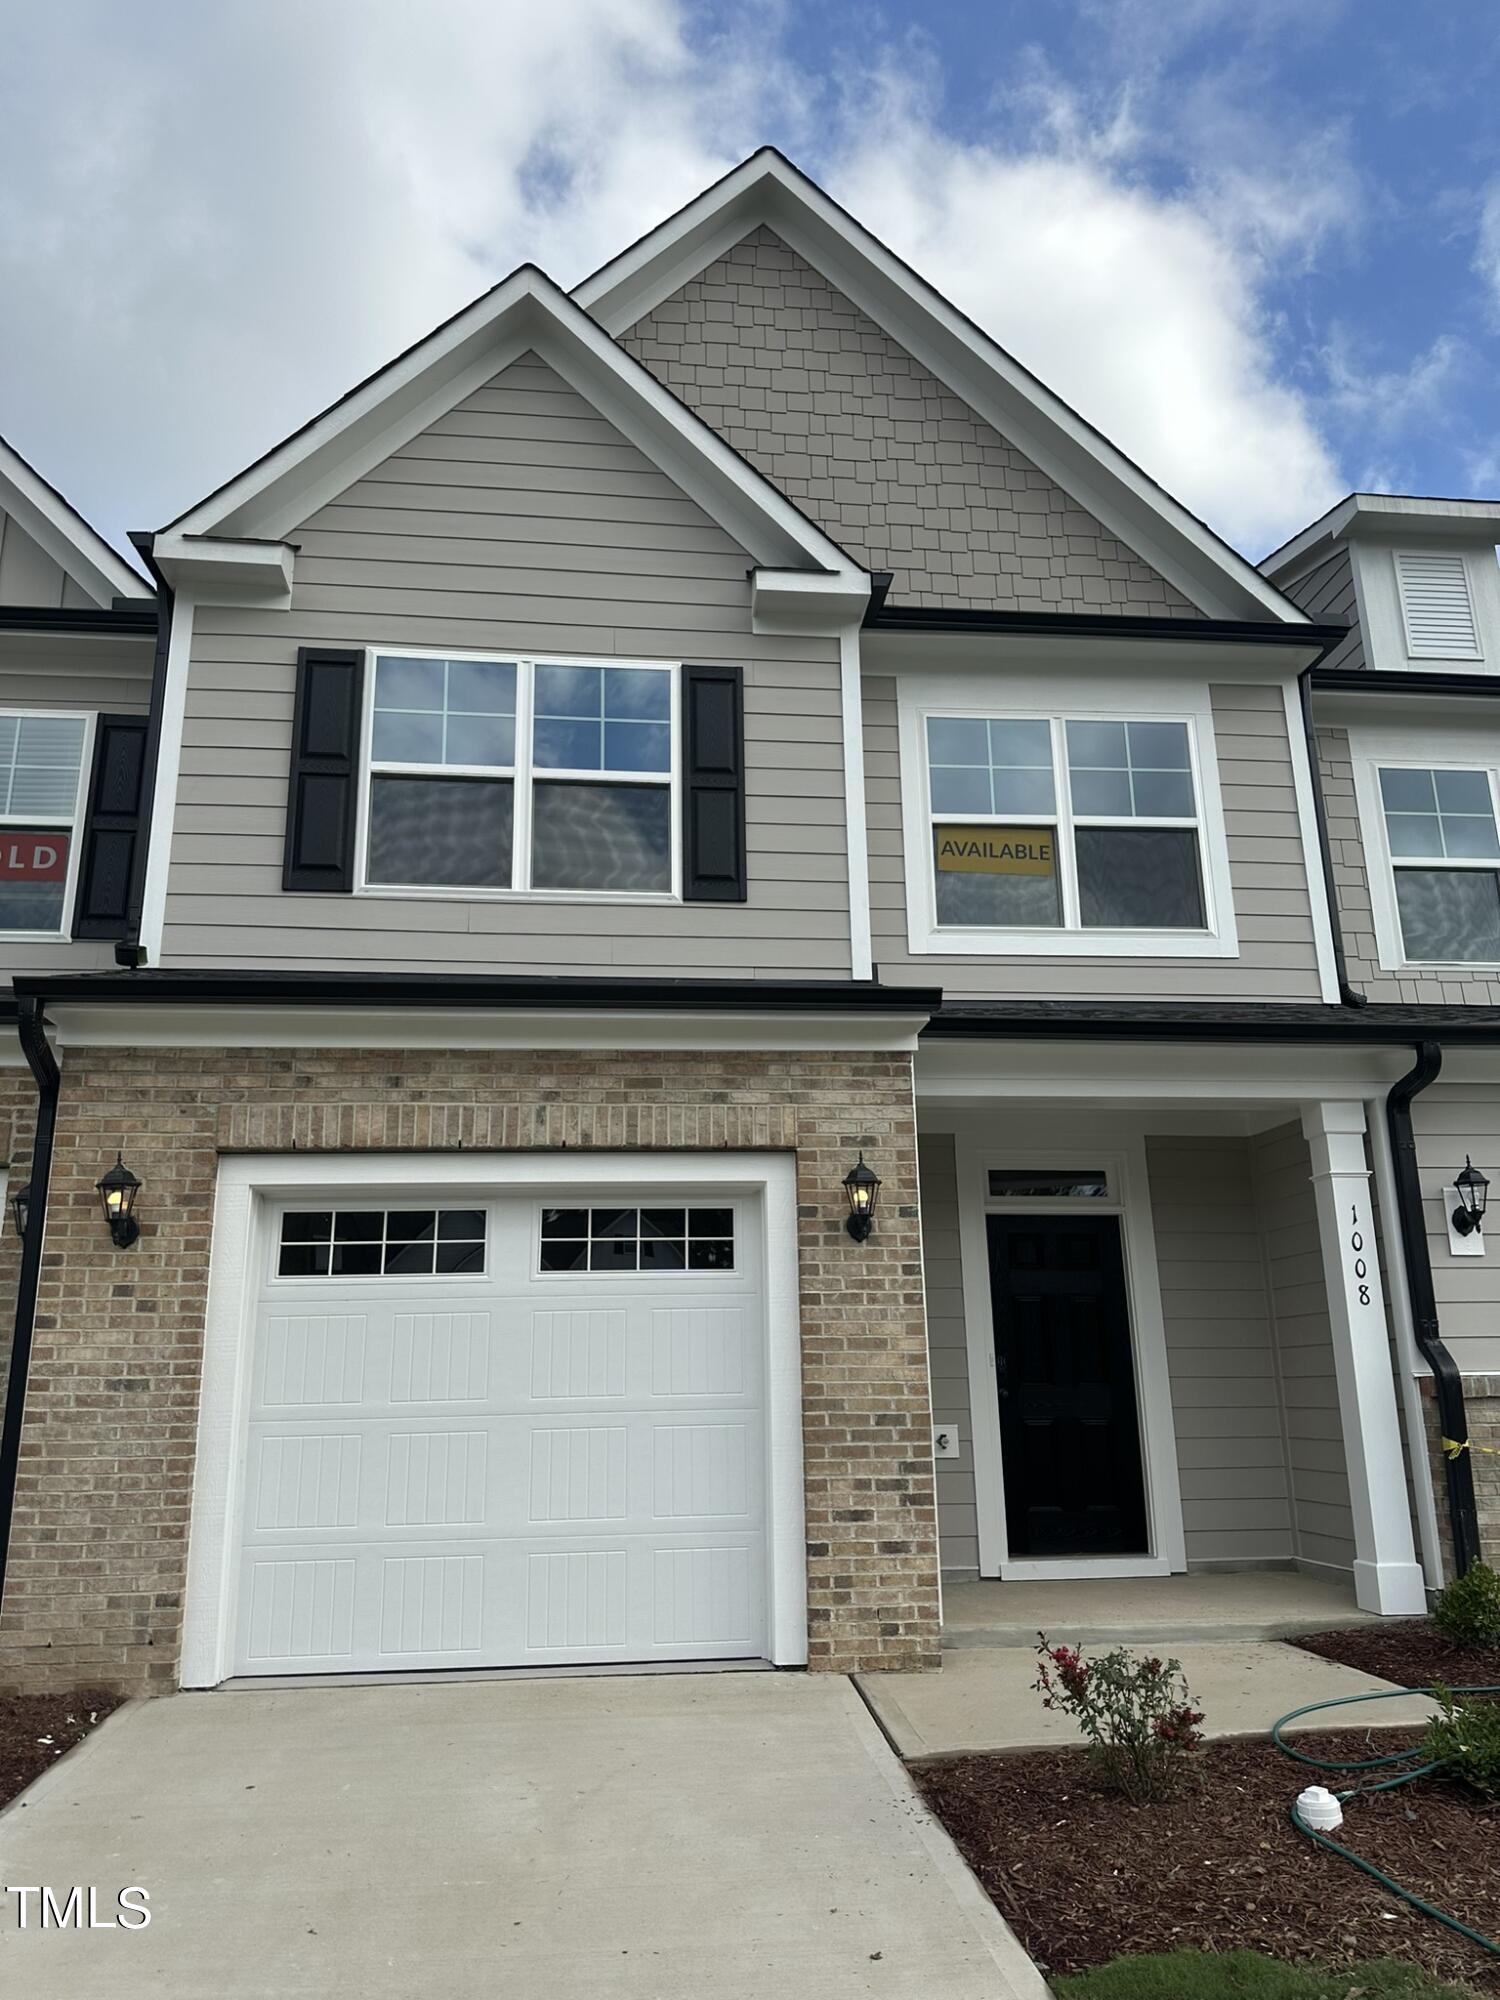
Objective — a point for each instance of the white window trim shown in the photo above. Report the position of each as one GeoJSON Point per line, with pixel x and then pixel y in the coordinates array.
{"type": "Point", "coordinates": [1372, 751]}
{"type": "Point", "coordinates": [521, 775]}
{"type": "Point", "coordinates": [72, 825]}
{"type": "Point", "coordinates": [1030, 698]}
{"type": "Point", "coordinates": [1413, 650]}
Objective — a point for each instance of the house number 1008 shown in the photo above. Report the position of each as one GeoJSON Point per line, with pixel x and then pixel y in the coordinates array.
{"type": "Point", "coordinates": [1361, 1268]}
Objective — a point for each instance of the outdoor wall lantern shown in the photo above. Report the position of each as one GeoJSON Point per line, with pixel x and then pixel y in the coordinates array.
{"type": "Point", "coordinates": [1471, 1188]}
{"type": "Point", "coordinates": [117, 1191]}
{"type": "Point", "coordinates": [20, 1206]}
{"type": "Point", "coordinates": [862, 1188]}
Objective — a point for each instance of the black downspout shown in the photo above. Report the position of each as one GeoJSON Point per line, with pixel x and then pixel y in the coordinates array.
{"type": "Point", "coordinates": [1453, 1420]}
{"type": "Point", "coordinates": [38, 1052]}
{"type": "Point", "coordinates": [1350, 996]}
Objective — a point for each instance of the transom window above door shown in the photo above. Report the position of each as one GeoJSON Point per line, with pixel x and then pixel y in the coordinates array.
{"type": "Point", "coordinates": [1440, 828]}
{"type": "Point", "coordinates": [1094, 828]}
{"type": "Point", "coordinates": [521, 775]}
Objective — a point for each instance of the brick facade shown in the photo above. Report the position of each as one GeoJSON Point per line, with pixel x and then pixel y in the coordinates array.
{"type": "Point", "coordinates": [888, 461]}
{"type": "Point", "coordinates": [17, 1127]}
{"type": "Point", "coordinates": [1482, 1406]}
{"type": "Point", "coordinates": [97, 1565]}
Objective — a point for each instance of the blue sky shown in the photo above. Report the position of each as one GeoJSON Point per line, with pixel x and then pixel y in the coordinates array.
{"type": "Point", "coordinates": [1257, 243]}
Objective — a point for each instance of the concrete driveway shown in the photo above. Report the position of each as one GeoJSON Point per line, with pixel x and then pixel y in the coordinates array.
{"type": "Point", "coordinates": [739, 1835]}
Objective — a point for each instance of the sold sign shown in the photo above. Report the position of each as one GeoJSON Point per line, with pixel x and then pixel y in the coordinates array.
{"type": "Point", "coordinates": [33, 857]}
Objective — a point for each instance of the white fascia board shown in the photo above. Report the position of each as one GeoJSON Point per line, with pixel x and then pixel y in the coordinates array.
{"type": "Point", "coordinates": [527, 313]}
{"type": "Point", "coordinates": [222, 570]}
{"type": "Point", "coordinates": [800, 600]}
{"type": "Point", "coordinates": [121, 1023]}
{"type": "Point", "coordinates": [1092, 653]}
{"type": "Point", "coordinates": [1134, 1075]}
{"type": "Point", "coordinates": [1405, 516]}
{"type": "Point", "coordinates": [61, 532]}
{"type": "Point", "coordinates": [768, 189]}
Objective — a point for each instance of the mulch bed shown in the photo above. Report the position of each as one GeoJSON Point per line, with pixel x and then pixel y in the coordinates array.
{"type": "Point", "coordinates": [1412, 1652]}
{"type": "Point", "coordinates": [37, 1729]}
{"type": "Point", "coordinates": [1083, 1877]}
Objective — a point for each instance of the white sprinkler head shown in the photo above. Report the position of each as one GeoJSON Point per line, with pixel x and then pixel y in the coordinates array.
{"type": "Point", "coordinates": [1320, 1809]}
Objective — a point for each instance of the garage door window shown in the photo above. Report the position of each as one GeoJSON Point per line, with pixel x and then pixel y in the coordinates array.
{"type": "Point", "coordinates": [637, 1239]}
{"type": "Point", "coordinates": [381, 1242]}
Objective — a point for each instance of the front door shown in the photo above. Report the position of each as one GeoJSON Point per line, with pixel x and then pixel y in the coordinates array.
{"type": "Point", "coordinates": [1069, 1432]}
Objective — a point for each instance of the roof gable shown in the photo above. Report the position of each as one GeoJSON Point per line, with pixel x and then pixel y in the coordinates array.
{"type": "Point", "coordinates": [768, 191]}
{"type": "Point", "coordinates": [46, 547]}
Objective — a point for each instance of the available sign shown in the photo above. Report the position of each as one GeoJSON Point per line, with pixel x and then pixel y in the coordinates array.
{"type": "Point", "coordinates": [995, 850]}
{"type": "Point", "coordinates": [33, 857]}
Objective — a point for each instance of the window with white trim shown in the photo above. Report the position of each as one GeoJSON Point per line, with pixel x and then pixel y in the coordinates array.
{"type": "Point", "coordinates": [42, 774]}
{"type": "Point", "coordinates": [521, 774]}
{"type": "Point", "coordinates": [618, 1239]}
{"type": "Point", "coordinates": [1440, 829]}
{"type": "Point", "coordinates": [1065, 823]}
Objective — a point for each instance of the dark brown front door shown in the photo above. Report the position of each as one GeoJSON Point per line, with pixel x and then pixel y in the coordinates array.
{"type": "Point", "coordinates": [1069, 1433]}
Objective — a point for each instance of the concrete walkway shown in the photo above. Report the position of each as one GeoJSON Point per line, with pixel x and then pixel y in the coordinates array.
{"type": "Point", "coordinates": [982, 1697]}
{"type": "Point", "coordinates": [740, 1835]}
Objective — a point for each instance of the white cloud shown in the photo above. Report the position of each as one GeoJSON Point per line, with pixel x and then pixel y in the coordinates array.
{"type": "Point", "coordinates": [214, 220]}
{"type": "Point", "coordinates": [1487, 247]}
{"type": "Point", "coordinates": [1388, 400]}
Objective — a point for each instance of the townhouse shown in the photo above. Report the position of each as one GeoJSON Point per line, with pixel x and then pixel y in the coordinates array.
{"type": "Point", "coordinates": [745, 973]}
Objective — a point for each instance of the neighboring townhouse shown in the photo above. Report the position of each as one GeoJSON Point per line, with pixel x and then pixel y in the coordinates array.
{"type": "Point", "coordinates": [732, 892]}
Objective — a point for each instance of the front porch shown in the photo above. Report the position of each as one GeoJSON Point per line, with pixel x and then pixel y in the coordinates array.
{"type": "Point", "coordinates": [1168, 1398]}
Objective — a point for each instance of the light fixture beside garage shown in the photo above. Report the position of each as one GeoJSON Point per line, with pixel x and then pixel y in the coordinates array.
{"type": "Point", "coordinates": [862, 1187]}
{"type": "Point", "coordinates": [1471, 1187]}
{"type": "Point", "coordinates": [117, 1190]}
{"type": "Point", "coordinates": [20, 1208]}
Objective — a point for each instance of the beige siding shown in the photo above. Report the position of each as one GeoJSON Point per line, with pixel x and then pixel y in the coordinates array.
{"type": "Point", "coordinates": [893, 465]}
{"type": "Point", "coordinates": [29, 576]}
{"type": "Point", "coordinates": [1323, 1527]}
{"type": "Point", "coordinates": [1226, 1406]}
{"type": "Point", "coordinates": [1450, 1121]}
{"type": "Point", "coordinates": [100, 677]}
{"type": "Point", "coordinates": [1327, 595]}
{"type": "Point", "coordinates": [1268, 870]}
{"type": "Point", "coordinates": [958, 1533]}
{"type": "Point", "coordinates": [520, 521]}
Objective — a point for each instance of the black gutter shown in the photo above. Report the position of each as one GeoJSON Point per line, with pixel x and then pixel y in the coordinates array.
{"type": "Point", "coordinates": [482, 990]}
{"type": "Point", "coordinates": [888, 617]}
{"type": "Point", "coordinates": [1369, 680]}
{"type": "Point", "coordinates": [127, 949]}
{"type": "Point", "coordinates": [43, 1063]}
{"type": "Point", "coordinates": [1453, 1422]}
{"type": "Point", "coordinates": [105, 624]}
{"type": "Point", "coordinates": [1349, 995]}
{"type": "Point", "coordinates": [1327, 1024]}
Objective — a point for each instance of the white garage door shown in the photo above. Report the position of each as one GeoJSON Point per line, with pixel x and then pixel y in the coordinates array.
{"type": "Point", "coordinates": [505, 1433]}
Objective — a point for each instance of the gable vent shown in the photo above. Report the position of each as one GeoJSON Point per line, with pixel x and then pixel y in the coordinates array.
{"type": "Point", "coordinates": [1437, 607]}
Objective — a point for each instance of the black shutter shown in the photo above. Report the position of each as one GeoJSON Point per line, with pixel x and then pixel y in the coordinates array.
{"type": "Point", "coordinates": [713, 790]}
{"type": "Point", "coordinates": [323, 781]}
{"type": "Point", "coordinates": [111, 827]}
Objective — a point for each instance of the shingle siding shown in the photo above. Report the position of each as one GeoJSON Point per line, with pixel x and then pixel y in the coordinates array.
{"type": "Point", "coordinates": [1327, 594]}
{"type": "Point", "coordinates": [894, 466]}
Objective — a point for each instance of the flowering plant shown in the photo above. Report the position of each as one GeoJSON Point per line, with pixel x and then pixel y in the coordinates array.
{"type": "Point", "coordinates": [1136, 1714]}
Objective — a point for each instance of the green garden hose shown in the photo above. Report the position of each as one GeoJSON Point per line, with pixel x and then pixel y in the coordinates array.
{"type": "Point", "coordinates": [1404, 1777]}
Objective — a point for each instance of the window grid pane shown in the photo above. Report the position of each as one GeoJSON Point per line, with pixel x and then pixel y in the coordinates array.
{"type": "Point", "coordinates": [605, 719]}
{"type": "Point", "coordinates": [440, 711]}
{"type": "Point", "coordinates": [1131, 770]}
{"type": "Point", "coordinates": [1439, 815]}
{"type": "Point", "coordinates": [372, 1243]}
{"type": "Point", "coordinates": [991, 766]}
{"type": "Point", "coordinates": [616, 1240]}
{"type": "Point", "coordinates": [40, 756]}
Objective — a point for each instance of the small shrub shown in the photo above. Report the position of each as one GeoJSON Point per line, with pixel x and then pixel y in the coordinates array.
{"type": "Point", "coordinates": [1467, 1611]}
{"type": "Point", "coordinates": [1136, 1714]}
{"type": "Point", "coordinates": [1464, 1740]}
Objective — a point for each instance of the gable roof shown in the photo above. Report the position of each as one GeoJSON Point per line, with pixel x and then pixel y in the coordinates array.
{"type": "Point", "coordinates": [767, 189]}
{"type": "Point", "coordinates": [1420, 516]}
{"type": "Point", "coordinates": [525, 312]}
{"type": "Point", "coordinates": [60, 531]}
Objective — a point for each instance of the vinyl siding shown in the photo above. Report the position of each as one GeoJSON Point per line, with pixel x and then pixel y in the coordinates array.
{"type": "Point", "coordinates": [1268, 870]}
{"type": "Point", "coordinates": [29, 576]}
{"type": "Point", "coordinates": [958, 1533]}
{"type": "Point", "coordinates": [1221, 1362]}
{"type": "Point", "coordinates": [1323, 1527]}
{"type": "Point", "coordinates": [869, 443]}
{"type": "Point", "coordinates": [1327, 595]}
{"type": "Point", "coordinates": [97, 676]}
{"type": "Point", "coordinates": [521, 521]}
{"type": "Point", "coordinates": [1449, 1121]}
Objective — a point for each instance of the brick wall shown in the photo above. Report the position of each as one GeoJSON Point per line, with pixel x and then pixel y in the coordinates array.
{"type": "Point", "coordinates": [17, 1126]}
{"type": "Point", "coordinates": [1482, 1406]}
{"type": "Point", "coordinates": [894, 466]}
{"type": "Point", "coordinates": [97, 1563]}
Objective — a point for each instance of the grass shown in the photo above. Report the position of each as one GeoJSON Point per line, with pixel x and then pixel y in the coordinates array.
{"type": "Point", "coordinates": [1247, 1975]}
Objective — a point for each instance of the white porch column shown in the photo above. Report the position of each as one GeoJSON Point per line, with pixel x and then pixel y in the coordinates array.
{"type": "Point", "coordinates": [1387, 1576]}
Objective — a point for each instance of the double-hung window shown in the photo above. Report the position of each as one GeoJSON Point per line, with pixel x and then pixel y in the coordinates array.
{"type": "Point", "coordinates": [1440, 829]}
{"type": "Point", "coordinates": [1046, 829]}
{"type": "Point", "coordinates": [42, 771]}
{"type": "Point", "coordinates": [517, 774]}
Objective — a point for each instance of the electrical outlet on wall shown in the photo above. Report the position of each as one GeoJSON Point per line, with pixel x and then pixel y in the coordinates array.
{"type": "Point", "coordinates": [945, 1441]}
